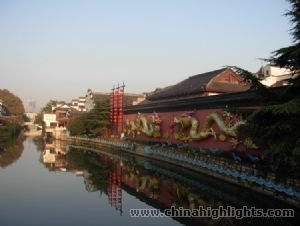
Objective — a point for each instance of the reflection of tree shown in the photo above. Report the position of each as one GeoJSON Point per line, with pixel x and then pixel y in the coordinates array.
{"type": "Point", "coordinates": [98, 173]}
{"type": "Point", "coordinates": [11, 152]}
{"type": "Point", "coordinates": [39, 142]}
{"type": "Point", "coordinates": [170, 192]}
{"type": "Point", "coordinates": [156, 184]}
{"type": "Point", "coordinates": [9, 132]}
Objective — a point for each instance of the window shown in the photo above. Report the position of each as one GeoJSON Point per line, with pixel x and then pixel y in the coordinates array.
{"type": "Point", "coordinates": [267, 72]}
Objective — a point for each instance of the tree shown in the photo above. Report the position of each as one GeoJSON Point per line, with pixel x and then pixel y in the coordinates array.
{"type": "Point", "coordinates": [12, 103]}
{"type": "Point", "coordinates": [26, 118]}
{"type": "Point", "coordinates": [39, 119]}
{"type": "Point", "coordinates": [92, 123]}
{"type": "Point", "coordinates": [10, 130]}
{"type": "Point", "coordinates": [97, 120]}
{"type": "Point", "coordinates": [76, 125]}
{"type": "Point", "coordinates": [290, 56]}
{"type": "Point", "coordinates": [275, 127]}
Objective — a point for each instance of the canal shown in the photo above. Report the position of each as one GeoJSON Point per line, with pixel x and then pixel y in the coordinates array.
{"type": "Point", "coordinates": [56, 184]}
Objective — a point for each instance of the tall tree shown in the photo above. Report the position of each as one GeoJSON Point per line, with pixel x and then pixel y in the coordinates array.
{"type": "Point", "coordinates": [290, 56]}
{"type": "Point", "coordinates": [92, 123]}
{"type": "Point", "coordinates": [12, 103]}
{"type": "Point", "coordinates": [276, 127]}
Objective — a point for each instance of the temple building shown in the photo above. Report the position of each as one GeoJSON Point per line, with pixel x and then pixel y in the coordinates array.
{"type": "Point", "coordinates": [79, 104]}
{"type": "Point", "coordinates": [193, 112]}
{"type": "Point", "coordinates": [226, 80]}
{"type": "Point", "coordinates": [128, 100]}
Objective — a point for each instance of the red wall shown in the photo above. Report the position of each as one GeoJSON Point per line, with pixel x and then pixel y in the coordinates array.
{"type": "Point", "coordinates": [167, 119]}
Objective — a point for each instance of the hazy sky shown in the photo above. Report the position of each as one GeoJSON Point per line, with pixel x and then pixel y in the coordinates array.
{"type": "Point", "coordinates": [57, 49]}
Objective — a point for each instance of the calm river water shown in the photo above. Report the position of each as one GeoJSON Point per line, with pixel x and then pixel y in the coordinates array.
{"type": "Point", "coordinates": [55, 185]}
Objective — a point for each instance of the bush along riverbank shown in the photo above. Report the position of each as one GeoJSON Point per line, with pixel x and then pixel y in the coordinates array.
{"type": "Point", "coordinates": [245, 170]}
{"type": "Point", "coordinates": [9, 132]}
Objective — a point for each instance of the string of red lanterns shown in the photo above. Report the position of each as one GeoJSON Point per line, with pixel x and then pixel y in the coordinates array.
{"type": "Point", "coordinates": [116, 107]}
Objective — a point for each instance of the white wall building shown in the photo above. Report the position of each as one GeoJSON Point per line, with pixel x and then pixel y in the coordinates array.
{"type": "Point", "coordinates": [50, 120]}
{"type": "Point", "coordinates": [79, 104]}
{"type": "Point", "coordinates": [31, 115]}
{"type": "Point", "coordinates": [273, 76]}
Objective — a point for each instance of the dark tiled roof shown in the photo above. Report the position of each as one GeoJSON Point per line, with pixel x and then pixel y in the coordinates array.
{"type": "Point", "coordinates": [193, 85]}
{"type": "Point", "coordinates": [221, 87]}
{"type": "Point", "coordinates": [101, 97]}
{"type": "Point", "coordinates": [129, 98]}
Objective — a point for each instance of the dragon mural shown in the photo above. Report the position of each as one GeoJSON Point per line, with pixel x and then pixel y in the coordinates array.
{"type": "Point", "coordinates": [141, 125]}
{"type": "Point", "coordinates": [188, 121]}
{"type": "Point", "coordinates": [188, 128]}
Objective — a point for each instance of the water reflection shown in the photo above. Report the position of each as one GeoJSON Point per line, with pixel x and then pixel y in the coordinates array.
{"type": "Point", "coordinates": [158, 184]}
{"type": "Point", "coordinates": [54, 155]}
{"type": "Point", "coordinates": [11, 151]}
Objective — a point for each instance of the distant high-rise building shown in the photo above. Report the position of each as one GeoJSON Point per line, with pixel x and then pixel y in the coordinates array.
{"type": "Point", "coordinates": [31, 105]}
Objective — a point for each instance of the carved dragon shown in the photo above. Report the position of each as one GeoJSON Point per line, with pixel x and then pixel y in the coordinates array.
{"type": "Point", "coordinates": [189, 121]}
{"type": "Point", "coordinates": [140, 124]}
{"type": "Point", "coordinates": [130, 128]}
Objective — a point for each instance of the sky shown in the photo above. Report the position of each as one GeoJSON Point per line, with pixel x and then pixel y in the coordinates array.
{"type": "Point", "coordinates": [57, 49]}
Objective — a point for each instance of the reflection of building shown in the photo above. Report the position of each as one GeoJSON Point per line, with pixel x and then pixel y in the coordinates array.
{"type": "Point", "coordinates": [54, 155]}
{"type": "Point", "coordinates": [49, 156]}
{"type": "Point", "coordinates": [104, 174]}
